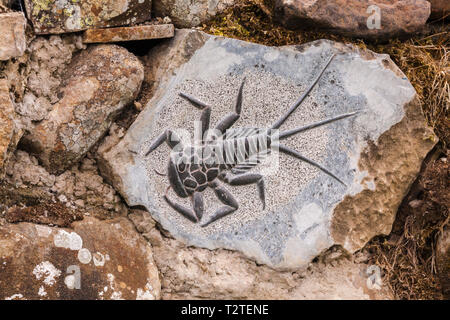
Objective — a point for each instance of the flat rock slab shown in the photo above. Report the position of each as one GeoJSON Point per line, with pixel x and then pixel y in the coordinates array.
{"type": "Point", "coordinates": [377, 153]}
{"type": "Point", "coordinates": [94, 260]}
{"type": "Point", "coordinates": [100, 82]}
{"type": "Point", "coordinates": [12, 36]}
{"type": "Point", "coordinates": [128, 33]}
{"type": "Point", "coordinates": [60, 16]}
{"type": "Point", "coordinates": [380, 19]}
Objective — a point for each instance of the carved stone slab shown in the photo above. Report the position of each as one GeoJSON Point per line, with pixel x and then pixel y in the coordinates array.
{"type": "Point", "coordinates": [376, 153]}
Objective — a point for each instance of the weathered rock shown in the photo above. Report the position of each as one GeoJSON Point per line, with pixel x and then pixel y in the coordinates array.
{"type": "Point", "coordinates": [373, 19]}
{"type": "Point", "coordinates": [186, 13]}
{"type": "Point", "coordinates": [94, 260]}
{"type": "Point", "coordinates": [306, 210]}
{"type": "Point", "coordinates": [154, 31]}
{"type": "Point", "coordinates": [9, 131]}
{"type": "Point", "coordinates": [80, 188]}
{"type": "Point", "coordinates": [60, 16]}
{"type": "Point", "coordinates": [440, 8]}
{"type": "Point", "coordinates": [194, 273]}
{"type": "Point", "coordinates": [12, 36]}
{"type": "Point", "coordinates": [443, 261]}
{"type": "Point", "coordinates": [101, 81]}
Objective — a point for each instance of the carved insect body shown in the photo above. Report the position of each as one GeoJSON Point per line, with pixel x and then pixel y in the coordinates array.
{"type": "Point", "coordinates": [227, 155]}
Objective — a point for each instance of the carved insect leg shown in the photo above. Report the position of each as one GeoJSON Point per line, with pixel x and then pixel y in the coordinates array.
{"type": "Point", "coordinates": [206, 114]}
{"type": "Point", "coordinates": [295, 154]}
{"type": "Point", "coordinates": [168, 136]}
{"type": "Point", "coordinates": [193, 215]}
{"type": "Point", "coordinates": [247, 178]}
{"type": "Point", "coordinates": [232, 117]}
{"type": "Point", "coordinates": [226, 198]}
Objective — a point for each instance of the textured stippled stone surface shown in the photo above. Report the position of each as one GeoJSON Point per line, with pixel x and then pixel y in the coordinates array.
{"type": "Point", "coordinates": [306, 211]}
{"type": "Point", "coordinates": [359, 18]}
{"type": "Point", "coordinates": [12, 36]}
{"type": "Point", "coordinates": [93, 260]}
{"type": "Point", "coordinates": [59, 16]}
{"type": "Point", "coordinates": [100, 82]}
{"type": "Point", "coordinates": [155, 31]}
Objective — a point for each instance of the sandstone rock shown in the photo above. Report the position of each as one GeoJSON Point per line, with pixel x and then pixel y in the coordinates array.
{"type": "Point", "coordinates": [68, 16]}
{"type": "Point", "coordinates": [307, 211]}
{"type": "Point", "coordinates": [9, 131]}
{"type": "Point", "coordinates": [443, 261]}
{"type": "Point", "coordinates": [94, 260]}
{"type": "Point", "coordinates": [147, 32]}
{"type": "Point", "coordinates": [440, 8]}
{"type": "Point", "coordinates": [186, 13]}
{"type": "Point", "coordinates": [193, 273]}
{"type": "Point", "coordinates": [355, 18]}
{"type": "Point", "coordinates": [100, 82]}
{"type": "Point", "coordinates": [12, 38]}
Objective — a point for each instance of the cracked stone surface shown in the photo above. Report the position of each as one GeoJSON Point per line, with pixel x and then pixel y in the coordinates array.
{"type": "Point", "coordinates": [101, 81]}
{"type": "Point", "coordinates": [307, 211]}
{"type": "Point", "coordinates": [92, 260]}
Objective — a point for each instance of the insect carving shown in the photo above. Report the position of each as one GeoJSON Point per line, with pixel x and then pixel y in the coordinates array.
{"type": "Point", "coordinates": [226, 155]}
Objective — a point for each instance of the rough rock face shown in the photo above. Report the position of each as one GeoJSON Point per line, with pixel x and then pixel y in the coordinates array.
{"type": "Point", "coordinates": [307, 211]}
{"type": "Point", "coordinates": [193, 273]}
{"type": "Point", "coordinates": [186, 13]}
{"type": "Point", "coordinates": [439, 8]}
{"type": "Point", "coordinates": [80, 188]}
{"type": "Point", "coordinates": [443, 261]}
{"type": "Point", "coordinates": [355, 18]}
{"type": "Point", "coordinates": [12, 38]}
{"type": "Point", "coordinates": [101, 81]}
{"type": "Point", "coordinates": [9, 132]}
{"type": "Point", "coordinates": [51, 16]}
{"type": "Point", "coordinates": [94, 260]}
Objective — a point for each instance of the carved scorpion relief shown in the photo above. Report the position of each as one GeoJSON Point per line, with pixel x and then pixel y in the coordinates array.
{"type": "Point", "coordinates": [226, 155]}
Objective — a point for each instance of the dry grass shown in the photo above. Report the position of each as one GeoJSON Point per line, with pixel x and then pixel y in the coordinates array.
{"type": "Point", "coordinates": [407, 255]}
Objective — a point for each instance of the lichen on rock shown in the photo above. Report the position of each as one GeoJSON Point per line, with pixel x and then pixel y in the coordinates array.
{"type": "Point", "coordinates": [101, 81]}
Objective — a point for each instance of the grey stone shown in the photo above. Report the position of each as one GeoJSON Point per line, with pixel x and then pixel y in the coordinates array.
{"type": "Point", "coordinates": [12, 36]}
{"type": "Point", "coordinates": [377, 153]}
{"type": "Point", "coordinates": [186, 13]}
